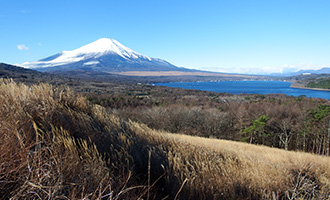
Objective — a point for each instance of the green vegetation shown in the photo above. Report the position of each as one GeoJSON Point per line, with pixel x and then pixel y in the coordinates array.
{"type": "Point", "coordinates": [56, 145]}
{"type": "Point", "coordinates": [323, 83]}
{"type": "Point", "coordinates": [257, 128]}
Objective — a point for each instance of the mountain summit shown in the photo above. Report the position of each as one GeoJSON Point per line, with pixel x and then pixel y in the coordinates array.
{"type": "Point", "coordinates": [103, 55]}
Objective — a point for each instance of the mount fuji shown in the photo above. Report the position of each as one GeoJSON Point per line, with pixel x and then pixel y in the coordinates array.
{"type": "Point", "coordinates": [103, 55]}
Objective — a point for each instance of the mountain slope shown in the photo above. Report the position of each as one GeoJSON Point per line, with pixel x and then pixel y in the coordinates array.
{"type": "Point", "coordinates": [8, 70]}
{"type": "Point", "coordinates": [105, 55]}
{"type": "Point", "coordinates": [20, 74]}
{"type": "Point", "coordinates": [324, 70]}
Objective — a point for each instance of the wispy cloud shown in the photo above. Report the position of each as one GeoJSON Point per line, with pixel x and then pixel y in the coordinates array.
{"type": "Point", "coordinates": [26, 11]}
{"type": "Point", "coordinates": [266, 70]}
{"type": "Point", "coordinates": [22, 47]}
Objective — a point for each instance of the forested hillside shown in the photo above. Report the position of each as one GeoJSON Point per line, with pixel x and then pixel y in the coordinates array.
{"type": "Point", "coordinates": [323, 83]}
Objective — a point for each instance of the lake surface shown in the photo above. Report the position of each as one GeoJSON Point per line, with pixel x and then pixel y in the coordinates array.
{"type": "Point", "coordinates": [250, 87]}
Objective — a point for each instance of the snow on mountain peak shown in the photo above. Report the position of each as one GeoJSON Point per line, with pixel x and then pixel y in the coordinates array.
{"type": "Point", "coordinates": [98, 48]}
{"type": "Point", "coordinates": [103, 45]}
{"type": "Point", "coordinates": [106, 46]}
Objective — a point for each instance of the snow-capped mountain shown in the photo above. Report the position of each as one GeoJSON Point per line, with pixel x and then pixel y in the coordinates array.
{"type": "Point", "coordinates": [105, 55]}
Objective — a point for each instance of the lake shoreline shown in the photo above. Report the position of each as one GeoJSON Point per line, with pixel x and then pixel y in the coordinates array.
{"type": "Point", "coordinates": [289, 88]}
{"type": "Point", "coordinates": [301, 86]}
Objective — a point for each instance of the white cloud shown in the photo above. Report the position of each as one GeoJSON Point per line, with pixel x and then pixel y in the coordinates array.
{"type": "Point", "coordinates": [266, 70]}
{"type": "Point", "coordinates": [22, 47]}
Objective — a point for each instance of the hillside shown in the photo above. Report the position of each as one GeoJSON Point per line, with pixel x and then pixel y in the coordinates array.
{"type": "Point", "coordinates": [56, 145]}
{"type": "Point", "coordinates": [311, 81]}
{"type": "Point", "coordinates": [323, 83]}
{"type": "Point", "coordinates": [21, 74]}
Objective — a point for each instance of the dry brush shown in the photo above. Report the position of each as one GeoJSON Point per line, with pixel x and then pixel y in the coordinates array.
{"type": "Point", "coordinates": [55, 145]}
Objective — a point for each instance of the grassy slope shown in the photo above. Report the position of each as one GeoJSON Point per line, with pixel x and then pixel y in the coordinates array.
{"type": "Point", "coordinates": [55, 145]}
{"type": "Point", "coordinates": [224, 169]}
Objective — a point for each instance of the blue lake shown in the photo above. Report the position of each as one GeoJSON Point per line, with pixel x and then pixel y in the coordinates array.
{"type": "Point", "coordinates": [250, 87]}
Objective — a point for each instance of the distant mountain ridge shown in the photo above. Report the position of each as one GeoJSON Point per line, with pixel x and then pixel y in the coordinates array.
{"type": "Point", "coordinates": [103, 55]}
{"type": "Point", "coordinates": [11, 71]}
{"type": "Point", "coordinates": [29, 76]}
{"type": "Point", "coordinates": [324, 70]}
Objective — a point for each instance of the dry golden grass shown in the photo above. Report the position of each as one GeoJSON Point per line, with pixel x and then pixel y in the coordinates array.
{"type": "Point", "coordinates": [51, 147]}
{"type": "Point", "coordinates": [257, 171]}
{"type": "Point", "coordinates": [219, 169]}
{"type": "Point", "coordinates": [54, 145]}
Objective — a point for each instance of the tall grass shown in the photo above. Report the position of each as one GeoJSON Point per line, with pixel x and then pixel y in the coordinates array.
{"type": "Point", "coordinates": [219, 169]}
{"type": "Point", "coordinates": [54, 145]}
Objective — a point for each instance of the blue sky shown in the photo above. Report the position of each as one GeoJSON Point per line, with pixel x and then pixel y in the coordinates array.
{"type": "Point", "coordinates": [244, 36]}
